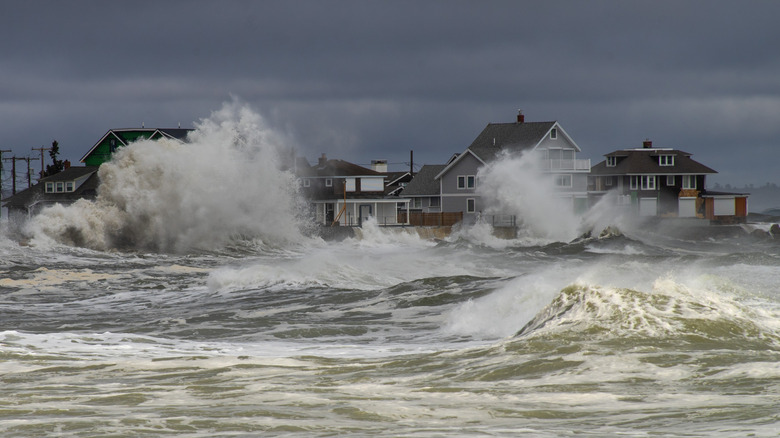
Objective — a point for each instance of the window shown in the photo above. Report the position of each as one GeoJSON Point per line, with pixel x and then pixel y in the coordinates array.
{"type": "Point", "coordinates": [470, 205]}
{"type": "Point", "coordinates": [608, 181]}
{"type": "Point", "coordinates": [417, 203]}
{"type": "Point", "coordinates": [553, 134]}
{"type": "Point", "coordinates": [306, 182]}
{"type": "Point", "coordinates": [669, 180]}
{"type": "Point", "coordinates": [611, 161]}
{"type": "Point", "coordinates": [60, 187]}
{"type": "Point", "coordinates": [634, 182]}
{"type": "Point", "coordinates": [562, 180]}
{"type": "Point", "coordinates": [666, 160]}
{"type": "Point", "coordinates": [689, 181]}
{"type": "Point", "coordinates": [648, 182]}
{"type": "Point", "coordinates": [466, 182]}
{"type": "Point", "coordinates": [49, 187]}
{"type": "Point", "coordinates": [328, 182]}
{"type": "Point", "coordinates": [435, 201]}
{"type": "Point", "coordinates": [69, 186]}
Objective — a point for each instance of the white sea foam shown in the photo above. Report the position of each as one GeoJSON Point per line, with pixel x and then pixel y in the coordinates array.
{"type": "Point", "coordinates": [515, 185]}
{"type": "Point", "coordinates": [227, 181]}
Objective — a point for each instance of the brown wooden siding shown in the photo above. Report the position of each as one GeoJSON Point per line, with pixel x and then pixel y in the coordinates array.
{"type": "Point", "coordinates": [419, 219]}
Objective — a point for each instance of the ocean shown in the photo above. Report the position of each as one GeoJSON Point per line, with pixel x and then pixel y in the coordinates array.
{"type": "Point", "coordinates": [173, 306]}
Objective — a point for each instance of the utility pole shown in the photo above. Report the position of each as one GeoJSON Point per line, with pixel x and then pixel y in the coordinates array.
{"type": "Point", "coordinates": [43, 165]}
{"type": "Point", "coordinates": [13, 173]}
{"type": "Point", "coordinates": [29, 170]}
{"type": "Point", "coordinates": [1, 170]}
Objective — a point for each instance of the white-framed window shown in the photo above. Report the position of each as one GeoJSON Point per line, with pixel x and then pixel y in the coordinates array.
{"type": "Point", "coordinates": [69, 186]}
{"type": "Point", "coordinates": [416, 202]}
{"type": "Point", "coordinates": [669, 180]}
{"type": "Point", "coordinates": [553, 133]}
{"type": "Point", "coordinates": [60, 187]}
{"type": "Point", "coordinates": [689, 181]}
{"type": "Point", "coordinates": [634, 182]}
{"type": "Point", "coordinates": [666, 160]}
{"type": "Point", "coordinates": [471, 205]}
{"type": "Point", "coordinates": [328, 182]}
{"type": "Point", "coordinates": [611, 161]}
{"type": "Point", "coordinates": [306, 182]}
{"type": "Point", "coordinates": [49, 187]}
{"type": "Point", "coordinates": [648, 182]}
{"type": "Point", "coordinates": [562, 180]}
{"type": "Point", "coordinates": [435, 201]}
{"type": "Point", "coordinates": [466, 182]}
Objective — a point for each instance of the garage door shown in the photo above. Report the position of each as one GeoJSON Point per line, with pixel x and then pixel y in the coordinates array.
{"type": "Point", "coordinates": [648, 206]}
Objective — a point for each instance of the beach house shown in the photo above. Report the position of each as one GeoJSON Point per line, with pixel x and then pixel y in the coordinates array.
{"type": "Point", "coordinates": [664, 182]}
{"type": "Point", "coordinates": [554, 149]}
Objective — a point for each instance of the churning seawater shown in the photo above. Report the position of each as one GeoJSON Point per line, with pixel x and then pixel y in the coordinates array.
{"type": "Point", "coordinates": [203, 321]}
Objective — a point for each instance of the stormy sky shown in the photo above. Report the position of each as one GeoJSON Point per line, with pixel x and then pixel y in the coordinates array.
{"type": "Point", "coordinates": [363, 80]}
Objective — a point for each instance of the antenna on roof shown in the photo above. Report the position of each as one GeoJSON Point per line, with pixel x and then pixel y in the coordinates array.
{"type": "Point", "coordinates": [142, 125]}
{"type": "Point", "coordinates": [179, 125]}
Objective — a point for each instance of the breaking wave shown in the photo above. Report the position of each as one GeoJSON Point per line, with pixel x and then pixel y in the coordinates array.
{"type": "Point", "coordinates": [672, 312]}
{"type": "Point", "coordinates": [228, 181]}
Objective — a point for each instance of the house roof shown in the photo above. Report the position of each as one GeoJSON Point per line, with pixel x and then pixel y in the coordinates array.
{"type": "Point", "coordinates": [645, 161]}
{"type": "Point", "coordinates": [512, 137]}
{"type": "Point", "coordinates": [175, 133]}
{"type": "Point", "coordinates": [37, 192]}
{"type": "Point", "coordinates": [342, 168]}
{"type": "Point", "coordinates": [425, 183]}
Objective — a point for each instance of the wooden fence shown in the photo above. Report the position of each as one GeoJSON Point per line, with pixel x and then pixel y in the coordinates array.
{"type": "Point", "coordinates": [431, 219]}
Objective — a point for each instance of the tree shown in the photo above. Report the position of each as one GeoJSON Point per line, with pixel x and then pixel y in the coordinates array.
{"type": "Point", "coordinates": [57, 165]}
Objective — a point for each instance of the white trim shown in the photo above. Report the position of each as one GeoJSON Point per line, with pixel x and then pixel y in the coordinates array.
{"type": "Point", "coordinates": [460, 157]}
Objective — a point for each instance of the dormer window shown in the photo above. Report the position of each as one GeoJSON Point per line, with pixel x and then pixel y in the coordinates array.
{"type": "Point", "coordinates": [49, 187]}
{"type": "Point", "coordinates": [611, 161]}
{"type": "Point", "coordinates": [60, 186]}
{"type": "Point", "coordinates": [666, 160]}
{"type": "Point", "coordinates": [553, 134]}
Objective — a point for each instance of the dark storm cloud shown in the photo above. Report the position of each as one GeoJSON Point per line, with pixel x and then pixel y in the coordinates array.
{"type": "Point", "coordinates": [366, 79]}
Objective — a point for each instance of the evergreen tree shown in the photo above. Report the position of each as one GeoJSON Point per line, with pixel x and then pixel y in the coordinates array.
{"type": "Point", "coordinates": [57, 165]}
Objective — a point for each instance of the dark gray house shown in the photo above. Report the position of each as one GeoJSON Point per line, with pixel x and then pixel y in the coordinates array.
{"type": "Point", "coordinates": [554, 148]}
{"type": "Point", "coordinates": [423, 190]}
{"type": "Point", "coordinates": [65, 187]}
{"type": "Point", "coordinates": [663, 182]}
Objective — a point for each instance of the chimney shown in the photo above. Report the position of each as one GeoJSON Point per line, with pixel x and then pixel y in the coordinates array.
{"type": "Point", "coordinates": [66, 164]}
{"type": "Point", "coordinates": [322, 160]}
{"type": "Point", "coordinates": [647, 144]}
{"type": "Point", "coordinates": [520, 116]}
{"type": "Point", "coordinates": [379, 166]}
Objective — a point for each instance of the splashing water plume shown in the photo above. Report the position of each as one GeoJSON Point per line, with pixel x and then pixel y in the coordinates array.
{"type": "Point", "coordinates": [516, 185]}
{"type": "Point", "coordinates": [226, 182]}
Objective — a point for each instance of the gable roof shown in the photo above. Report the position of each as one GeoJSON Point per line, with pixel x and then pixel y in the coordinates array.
{"type": "Point", "coordinates": [424, 182]}
{"type": "Point", "coordinates": [342, 168]}
{"type": "Point", "coordinates": [173, 133]}
{"type": "Point", "coordinates": [645, 161]}
{"type": "Point", "coordinates": [36, 193]}
{"type": "Point", "coordinates": [512, 137]}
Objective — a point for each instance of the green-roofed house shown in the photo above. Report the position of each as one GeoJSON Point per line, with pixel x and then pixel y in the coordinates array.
{"type": "Point", "coordinates": [116, 138]}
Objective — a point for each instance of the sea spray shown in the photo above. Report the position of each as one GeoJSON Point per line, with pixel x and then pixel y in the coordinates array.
{"type": "Point", "coordinates": [515, 185]}
{"type": "Point", "coordinates": [227, 181]}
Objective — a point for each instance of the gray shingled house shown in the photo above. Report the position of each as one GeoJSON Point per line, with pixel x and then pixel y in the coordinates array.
{"type": "Point", "coordinates": [65, 187]}
{"type": "Point", "coordinates": [664, 182]}
{"type": "Point", "coordinates": [556, 150]}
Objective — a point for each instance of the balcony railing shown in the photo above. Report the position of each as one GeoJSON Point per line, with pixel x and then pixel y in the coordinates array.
{"type": "Point", "coordinates": [566, 164]}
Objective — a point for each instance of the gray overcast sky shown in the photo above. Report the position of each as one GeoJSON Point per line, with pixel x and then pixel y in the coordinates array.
{"type": "Point", "coordinates": [362, 80]}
